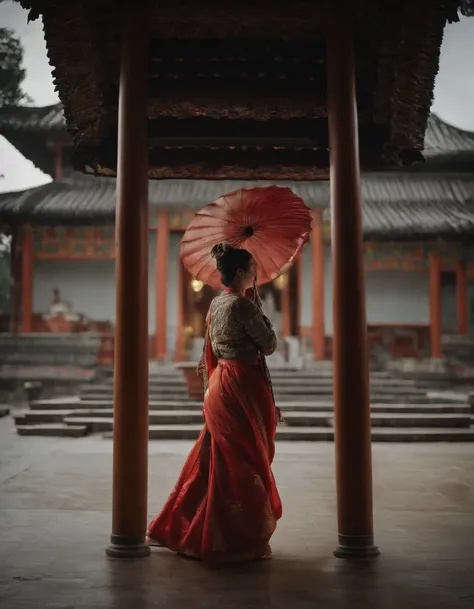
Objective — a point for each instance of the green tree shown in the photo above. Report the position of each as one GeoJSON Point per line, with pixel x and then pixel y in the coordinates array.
{"type": "Point", "coordinates": [12, 72]}
{"type": "Point", "coordinates": [12, 75]}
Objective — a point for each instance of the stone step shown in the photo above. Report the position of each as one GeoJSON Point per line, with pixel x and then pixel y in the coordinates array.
{"type": "Point", "coordinates": [322, 405]}
{"type": "Point", "coordinates": [4, 411]}
{"type": "Point", "coordinates": [454, 396]}
{"type": "Point", "coordinates": [324, 374]}
{"type": "Point", "coordinates": [56, 430]}
{"type": "Point", "coordinates": [77, 404]}
{"type": "Point", "coordinates": [178, 382]}
{"type": "Point", "coordinates": [293, 419]}
{"type": "Point", "coordinates": [374, 398]}
{"type": "Point", "coordinates": [153, 397]}
{"type": "Point", "coordinates": [107, 393]}
{"type": "Point", "coordinates": [67, 403]}
{"type": "Point", "coordinates": [316, 391]}
{"type": "Point", "coordinates": [310, 382]}
{"type": "Point", "coordinates": [35, 417]}
{"type": "Point", "coordinates": [94, 389]}
{"type": "Point", "coordinates": [288, 394]}
{"type": "Point", "coordinates": [289, 383]}
{"type": "Point", "coordinates": [314, 434]}
{"type": "Point", "coordinates": [277, 381]}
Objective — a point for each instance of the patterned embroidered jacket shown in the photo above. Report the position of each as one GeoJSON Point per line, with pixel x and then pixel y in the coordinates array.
{"type": "Point", "coordinates": [237, 329]}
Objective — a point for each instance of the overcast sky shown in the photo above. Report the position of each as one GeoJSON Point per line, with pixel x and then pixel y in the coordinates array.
{"type": "Point", "coordinates": [453, 97]}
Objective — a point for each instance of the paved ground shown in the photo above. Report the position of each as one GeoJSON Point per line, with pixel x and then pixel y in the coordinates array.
{"type": "Point", "coordinates": [55, 521]}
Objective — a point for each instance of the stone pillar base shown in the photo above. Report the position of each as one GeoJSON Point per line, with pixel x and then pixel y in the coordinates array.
{"type": "Point", "coordinates": [127, 547]}
{"type": "Point", "coordinates": [356, 547]}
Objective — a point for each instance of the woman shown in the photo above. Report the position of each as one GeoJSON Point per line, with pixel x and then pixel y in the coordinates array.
{"type": "Point", "coordinates": [225, 505]}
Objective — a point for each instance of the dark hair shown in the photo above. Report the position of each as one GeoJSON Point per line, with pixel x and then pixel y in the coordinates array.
{"type": "Point", "coordinates": [229, 260]}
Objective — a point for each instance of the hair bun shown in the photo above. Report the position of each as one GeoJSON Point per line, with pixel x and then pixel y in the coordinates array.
{"type": "Point", "coordinates": [220, 250]}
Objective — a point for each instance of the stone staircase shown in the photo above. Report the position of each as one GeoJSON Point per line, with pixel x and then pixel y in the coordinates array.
{"type": "Point", "coordinates": [401, 410]}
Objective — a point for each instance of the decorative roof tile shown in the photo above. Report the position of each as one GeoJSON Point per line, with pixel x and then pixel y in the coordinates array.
{"type": "Point", "coordinates": [395, 206]}
{"type": "Point", "coordinates": [37, 119]}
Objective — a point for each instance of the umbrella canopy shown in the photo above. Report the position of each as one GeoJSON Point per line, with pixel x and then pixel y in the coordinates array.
{"type": "Point", "coordinates": [271, 222]}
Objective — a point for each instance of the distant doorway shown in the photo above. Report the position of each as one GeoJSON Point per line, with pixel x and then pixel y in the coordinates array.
{"type": "Point", "coordinates": [448, 302]}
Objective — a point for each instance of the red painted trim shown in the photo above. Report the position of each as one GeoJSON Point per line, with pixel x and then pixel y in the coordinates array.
{"type": "Point", "coordinates": [435, 305]}
{"type": "Point", "coordinates": [461, 296]}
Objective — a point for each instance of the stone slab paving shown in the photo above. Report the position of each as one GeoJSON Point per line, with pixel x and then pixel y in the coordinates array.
{"type": "Point", "coordinates": [55, 520]}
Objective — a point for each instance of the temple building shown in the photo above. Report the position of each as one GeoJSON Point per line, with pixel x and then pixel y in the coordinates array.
{"type": "Point", "coordinates": [419, 251]}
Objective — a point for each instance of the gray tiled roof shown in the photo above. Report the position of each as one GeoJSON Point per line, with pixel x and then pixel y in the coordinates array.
{"type": "Point", "coordinates": [440, 137]}
{"type": "Point", "coordinates": [394, 205]}
{"type": "Point", "coordinates": [28, 118]}
{"type": "Point", "coordinates": [443, 138]}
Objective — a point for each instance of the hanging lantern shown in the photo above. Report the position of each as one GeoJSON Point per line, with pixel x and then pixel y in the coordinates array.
{"type": "Point", "coordinates": [196, 285]}
{"type": "Point", "coordinates": [280, 282]}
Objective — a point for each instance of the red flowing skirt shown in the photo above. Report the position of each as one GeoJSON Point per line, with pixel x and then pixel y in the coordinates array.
{"type": "Point", "coordinates": [225, 505]}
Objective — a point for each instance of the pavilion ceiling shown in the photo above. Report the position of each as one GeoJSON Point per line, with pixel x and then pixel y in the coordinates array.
{"type": "Point", "coordinates": [239, 90]}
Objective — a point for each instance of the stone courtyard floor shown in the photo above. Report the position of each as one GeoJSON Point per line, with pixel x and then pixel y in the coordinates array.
{"type": "Point", "coordinates": [55, 523]}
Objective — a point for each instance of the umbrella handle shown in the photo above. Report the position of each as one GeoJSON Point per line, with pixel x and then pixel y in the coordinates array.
{"type": "Point", "coordinates": [256, 296]}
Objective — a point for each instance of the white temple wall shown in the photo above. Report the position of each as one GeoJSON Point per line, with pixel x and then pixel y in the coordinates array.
{"type": "Point", "coordinates": [89, 285]}
{"type": "Point", "coordinates": [398, 297]}
{"type": "Point", "coordinates": [392, 297]}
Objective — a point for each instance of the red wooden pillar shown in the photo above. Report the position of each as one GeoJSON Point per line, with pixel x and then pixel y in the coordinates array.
{"type": "Point", "coordinates": [180, 352]}
{"type": "Point", "coordinates": [130, 462]}
{"type": "Point", "coordinates": [286, 306]}
{"type": "Point", "coordinates": [461, 296]}
{"type": "Point", "coordinates": [15, 275]}
{"type": "Point", "coordinates": [319, 339]}
{"type": "Point", "coordinates": [161, 284]}
{"type": "Point", "coordinates": [435, 305]}
{"type": "Point", "coordinates": [27, 281]}
{"type": "Point", "coordinates": [351, 378]}
{"type": "Point", "coordinates": [299, 297]}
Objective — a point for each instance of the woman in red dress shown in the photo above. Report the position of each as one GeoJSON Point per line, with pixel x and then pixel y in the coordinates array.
{"type": "Point", "coordinates": [225, 505]}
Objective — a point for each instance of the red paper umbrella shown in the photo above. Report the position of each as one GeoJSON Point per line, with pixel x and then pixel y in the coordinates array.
{"type": "Point", "coordinates": [272, 223]}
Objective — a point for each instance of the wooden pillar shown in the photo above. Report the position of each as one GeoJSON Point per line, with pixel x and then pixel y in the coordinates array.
{"type": "Point", "coordinates": [15, 276]}
{"type": "Point", "coordinates": [180, 354]}
{"type": "Point", "coordinates": [461, 296]}
{"type": "Point", "coordinates": [27, 281]}
{"type": "Point", "coordinates": [130, 462]}
{"type": "Point", "coordinates": [285, 296]}
{"type": "Point", "coordinates": [351, 378]}
{"type": "Point", "coordinates": [299, 298]}
{"type": "Point", "coordinates": [319, 338]}
{"type": "Point", "coordinates": [161, 284]}
{"type": "Point", "coordinates": [435, 305]}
